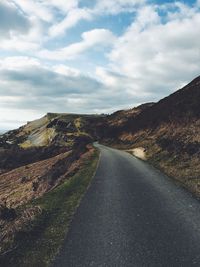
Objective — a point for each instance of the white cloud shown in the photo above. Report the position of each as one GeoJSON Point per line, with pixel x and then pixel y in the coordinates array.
{"type": "Point", "coordinates": [158, 56]}
{"type": "Point", "coordinates": [18, 44]}
{"type": "Point", "coordinates": [121, 84]}
{"type": "Point", "coordinates": [146, 17]}
{"type": "Point", "coordinates": [19, 32]}
{"type": "Point", "coordinates": [42, 20]}
{"type": "Point", "coordinates": [24, 78]}
{"type": "Point", "coordinates": [102, 7]}
{"type": "Point", "coordinates": [63, 6]}
{"type": "Point", "coordinates": [65, 70]}
{"type": "Point", "coordinates": [72, 18]}
{"type": "Point", "coordinates": [28, 86]}
{"type": "Point", "coordinates": [107, 77]}
{"type": "Point", "coordinates": [96, 37]}
{"type": "Point", "coordinates": [12, 20]}
{"type": "Point", "coordinates": [35, 9]}
{"type": "Point", "coordinates": [49, 11]}
{"type": "Point", "coordinates": [117, 6]}
{"type": "Point", "coordinates": [17, 63]}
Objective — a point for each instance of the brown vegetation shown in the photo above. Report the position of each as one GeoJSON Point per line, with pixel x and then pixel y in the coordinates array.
{"type": "Point", "coordinates": [34, 160]}
{"type": "Point", "coordinates": [170, 133]}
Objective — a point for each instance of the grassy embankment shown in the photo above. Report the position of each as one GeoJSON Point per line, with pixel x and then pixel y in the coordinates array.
{"type": "Point", "coordinates": [184, 169]}
{"type": "Point", "coordinates": [180, 166]}
{"type": "Point", "coordinates": [40, 242]}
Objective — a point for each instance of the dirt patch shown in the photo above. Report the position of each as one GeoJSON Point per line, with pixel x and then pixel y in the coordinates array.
{"type": "Point", "coordinates": [139, 152]}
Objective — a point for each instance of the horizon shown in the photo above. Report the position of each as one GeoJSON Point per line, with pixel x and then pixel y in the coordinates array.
{"type": "Point", "coordinates": [78, 57]}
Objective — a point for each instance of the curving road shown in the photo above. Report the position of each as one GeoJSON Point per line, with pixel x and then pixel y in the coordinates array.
{"type": "Point", "coordinates": [132, 215]}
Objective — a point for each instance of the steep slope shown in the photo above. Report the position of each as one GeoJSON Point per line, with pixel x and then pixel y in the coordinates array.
{"type": "Point", "coordinates": [176, 117]}
{"type": "Point", "coordinates": [181, 106]}
{"type": "Point", "coordinates": [169, 133]}
{"type": "Point", "coordinates": [121, 117]}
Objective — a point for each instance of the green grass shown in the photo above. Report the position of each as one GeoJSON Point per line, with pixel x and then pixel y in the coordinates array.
{"type": "Point", "coordinates": [38, 245]}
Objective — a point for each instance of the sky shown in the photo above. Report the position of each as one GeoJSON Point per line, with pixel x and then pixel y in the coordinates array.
{"type": "Point", "coordinates": [93, 56]}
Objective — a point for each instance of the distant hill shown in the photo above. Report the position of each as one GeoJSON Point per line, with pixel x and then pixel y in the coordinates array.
{"type": "Point", "coordinates": [52, 129]}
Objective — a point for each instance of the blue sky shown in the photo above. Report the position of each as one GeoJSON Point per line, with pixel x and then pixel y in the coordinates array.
{"type": "Point", "coordinates": [93, 56]}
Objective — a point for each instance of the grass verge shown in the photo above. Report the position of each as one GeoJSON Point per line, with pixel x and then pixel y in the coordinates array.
{"type": "Point", "coordinates": [183, 169]}
{"type": "Point", "coordinates": [41, 241]}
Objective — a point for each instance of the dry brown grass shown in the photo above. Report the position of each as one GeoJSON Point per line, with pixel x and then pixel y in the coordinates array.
{"type": "Point", "coordinates": [16, 186]}
{"type": "Point", "coordinates": [46, 219]}
{"type": "Point", "coordinates": [10, 228]}
{"type": "Point", "coordinates": [178, 156]}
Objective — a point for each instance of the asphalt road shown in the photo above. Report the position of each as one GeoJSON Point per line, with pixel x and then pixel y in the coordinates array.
{"type": "Point", "coordinates": [132, 215]}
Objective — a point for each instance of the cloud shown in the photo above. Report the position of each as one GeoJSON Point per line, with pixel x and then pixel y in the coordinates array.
{"type": "Point", "coordinates": [18, 63]}
{"type": "Point", "coordinates": [63, 15]}
{"type": "Point", "coordinates": [30, 78]}
{"type": "Point", "coordinates": [117, 6]}
{"type": "Point", "coordinates": [31, 87]}
{"type": "Point", "coordinates": [18, 44]}
{"type": "Point", "coordinates": [34, 23]}
{"type": "Point", "coordinates": [65, 70]}
{"type": "Point", "coordinates": [102, 7]}
{"type": "Point", "coordinates": [12, 20]}
{"type": "Point", "coordinates": [158, 56]}
{"type": "Point", "coordinates": [19, 31]}
{"type": "Point", "coordinates": [59, 15]}
{"type": "Point", "coordinates": [24, 25]}
{"type": "Point", "coordinates": [27, 83]}
{"type": "Point", "coordinates": [95, 37]}
{"type": "Point", "coordinates": [63, 6]}
{"type": "Point", "coordinates": [72, 18]}
{"type": "Point", "coordinates": [35, 9]}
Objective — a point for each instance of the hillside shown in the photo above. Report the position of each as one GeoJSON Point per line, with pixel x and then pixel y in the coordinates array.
{"type": "Point", "coordinates": [169, 132]}
{"type": "Point", "coordinates": [37, 160]}
{"type": "Point", "coordinates": [52, 129]}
